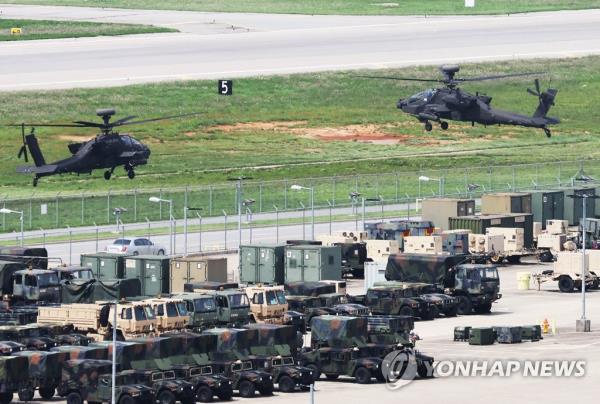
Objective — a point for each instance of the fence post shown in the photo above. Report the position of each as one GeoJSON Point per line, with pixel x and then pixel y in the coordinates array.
{"type": "Point", "coordinates": [514, 175]}
{"type": "Point", "coordinates": [260, 193]}
{"type": "Point", "coordinates": [56, 211]}
{"type": "Point", "coordinates": [108, 207]}
{"type": "Point", "coordinates": [285, 199]}
{"type": "Point", "coordinates": [135, 191]}
{"type": "Point", "coordinates": [559, 173]}
{"type": "Point", "coordinates": [210, 200]}
{"type": "Point", "coordinates": [397, 187]}
{"type": "Point", "coordinates": [96, 236]}
{"type": "Point", "coordinates": [160, 195]}
{"type": "Point", "coordinates": [30, 212]}
{"type": "Point", "coordinates": [334, 190]}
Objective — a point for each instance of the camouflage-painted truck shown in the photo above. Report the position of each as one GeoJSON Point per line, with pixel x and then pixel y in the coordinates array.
{"type": "Point", "coordinates": [439, 303]}
{"type": "Point", "coordinates": [90, 380]}
{"type": "Point", "coordinates": [476, 286]}
{"type": "Point", "coordinates": [13, 375]}
{"type": "Point", "coordinates": [334, 350]}
{"type": "Point", "coordinates": [166, 387]}
{"type": "Point", "coordinates": [231, 359]}
{"type": "Point", "coordinates": [273, 349]}
{"type": "Point", "coordinates": [389, 298]}
{"type": "Point", "coordinates": [44, 372]}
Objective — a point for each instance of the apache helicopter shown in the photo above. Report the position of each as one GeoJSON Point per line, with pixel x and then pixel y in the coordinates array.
{"type": "Point", "coordinates": [452, 103]}
{"type": "Point", "coordinates": [107, 150]}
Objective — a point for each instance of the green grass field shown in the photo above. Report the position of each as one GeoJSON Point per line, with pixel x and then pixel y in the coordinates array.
{"type": "Point", "coordinates": [392, 7]}
{"type": "Point", "coordinates": [299, 126]}
{"type": "Point", "coordinates": [43, 29]}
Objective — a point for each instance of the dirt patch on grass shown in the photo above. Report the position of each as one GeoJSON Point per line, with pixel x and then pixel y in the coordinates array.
{"type": "Point", "coordinates": [249, 126]}
{"type": "Point", "coordinates": [352, 133]}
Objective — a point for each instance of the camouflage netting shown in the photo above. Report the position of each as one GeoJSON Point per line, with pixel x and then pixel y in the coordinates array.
{"type": "Point", "coordinates": [230, 341]}
{"type": "Point", "coordinates": [274, 339]}
{"type": "Point", "coordinates": [44, 365]}
{"type": "Point", "coordinates": [426, 268]}
{"type": "Point", "coordinates": [126, 352]}
{"type": "Point", "coordinates": [333, 329]}
{"type": "Point", "coordinates": [82, 352]}
{"type": "Point", "coordinates": [26, 255]}
{"type": "Point", "coordinates": [91, 291]}
{"type": "Point", "coordinates": [85, 371]}
{"type": "Point", "coordinates": [189, 343]}
{"type": "Point", "coordinates": [390, 324]}
{"type": "Point", "coordinates": [309, 288]}
{"type": "Point", "coordinates": [13, 369]}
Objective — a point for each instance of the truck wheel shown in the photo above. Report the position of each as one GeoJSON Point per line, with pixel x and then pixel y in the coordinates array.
{"type": "Point", "coordinates": [496, 259]}
{"type": "Point", "coordinates": [546, 256]}
{"type": "Point", "coordinates": [166, 397]}
{"type": "Point", "coordinates": [406, 311]}
{"type": "Point", "coordinates": [331, 376]}
{"type": "Point", "coordinates": [514, 259]}
{"type": "Point", "coordinates": [315, 371]}
{"type": "Point", "coordinates": [26, 394]}
{"type": "Point", "coordinates": [126, 399]}
{"type": "Point", "coordinates": [286, 384]}
{"type": "Point", "coordinates": [362, 375]}
{"type": "Point", "coordinates": [246, 389]}
{"type": "Point", "coordinates": [46, 392]}
{"type": "Point", "coordinates": [204, 394]}
{"type": "Point", "coordinates": [6, 398]}
{"type": "Point", "coordinates": [266, 390]}
{"type": "Point", "coordinates": [225, 395]}
{"type": "Point", "coordinates": [464, 305]}
{"type": "Point", "coordinates": [451, 312]}
{"type": "Point", "coordinates": [483, 308]}
{"type": "Point", "coordinates": [74, 398]}
{"type": "Point", "coordinates": [566, 284]}
{"type": "Point", "coordinates": [433, 313]}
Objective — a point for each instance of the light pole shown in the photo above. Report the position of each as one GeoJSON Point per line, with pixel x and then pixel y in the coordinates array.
{"type": "Point", "coordinates": [18, 212]}
{"type": "Point", "coordinates": [155, 199]}
{"type": "Point", "coordinates": [114, 356]}
{"type": "Point", "coordinates": [249, 221]}
{"type": "Point", "coordinates": [185, 227]}
{"type": "Point", "coordinates": [440, 181]}
{"type": "Point", "coordinates": [199, 231]}
{"type": "Point", "coordinates": [297, 187]}
{"type": "Point", "coordinates": [246, 203]}
{"type": "Point", "coordinates": [239, 201]}
{"type": "Point", "coordinates": [330, 214]}
{"type": "Point", "coordinates": [583, 324]}
{"type": "Point", "coordinates": [303, 218]}
{"type": "Point", "coordinates": [353, 199]}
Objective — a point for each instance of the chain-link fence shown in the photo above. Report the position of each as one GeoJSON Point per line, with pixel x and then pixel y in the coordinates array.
{"type": "Point", "coordinates": [91, 209]}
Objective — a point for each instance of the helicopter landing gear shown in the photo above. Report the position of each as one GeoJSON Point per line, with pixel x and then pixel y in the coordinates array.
{"type": "Point", "coordinates": [108, 173]}
{"type": "Point", "coordinates": [428, 126]}
{"type": "Point", "coordinates": [444, 125]}
{"type": "Point", "coordinates": [35, 181]}
{"type": "Point", "coordinates": [130, 173]}
{"type": "Point", "coordinates": [547, 132]}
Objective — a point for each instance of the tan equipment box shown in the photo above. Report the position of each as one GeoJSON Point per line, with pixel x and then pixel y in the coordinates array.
{"type": "Point", "coordinates": [380, 250]}
{"type": "Point", "coordinates": [438, 210]}
{"type": "Point", "coordinates": [192, 269]}
{"type": "Point", "coordinates": [486, 244]}
{"type": "Point", "coordinates": [569, 262]}
{"type": "Point", "coordinates": [556, 226]}
{"type": "Point", "coordinates": [514, 238]}
{"type": "Point", "coordinates": [552, 242]}
{"type": "Point", "coordinates": [423, 245]}
{"type": "Point", "coordinates": [356, 236]}
{"type": "Point", "coordinates": [329, 241]}
{"type": "Point", "coordinates": [505, 202]}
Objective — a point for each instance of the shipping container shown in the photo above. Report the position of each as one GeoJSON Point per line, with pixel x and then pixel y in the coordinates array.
{"type": "Point", "coordinates": [480, 223]}
{"type": "Point", "coordinates": [194, 269]}
{"type": "Point", "coordinates": [547, 205]}
{"type": "Point", "coordinates": [398, 229]}
{"type": "Point", "coordinates": [438, 210]}
{"type": "Point", "coordinates": [574, 206]}
{"type": "Point", "coordinates": [104, 265]}
{"type": "Point", "coordinates": [505, 202]}
{"type": "Point", "coordinates": [151, 270]}
{"type": "Point", "coordinates": [312, 263]}
{"type": "Point", "coordinates": [262, 264]}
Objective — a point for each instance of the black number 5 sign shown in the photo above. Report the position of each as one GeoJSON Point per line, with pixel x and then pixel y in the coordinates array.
{"type": "Point", "coordinates": [225, 87]}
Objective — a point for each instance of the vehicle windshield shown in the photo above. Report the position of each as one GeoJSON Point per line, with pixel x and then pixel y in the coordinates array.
{"type": "Point", "coordinates": [288, 360]}
{"type": "Point", "coordinates": [82, 274]}
{"type": "Point", "coordinates": [122, 241]}
{"type": "Point", "coordinates": [408, 293]}
{"type": "Point", "coordinates": [204, 305]}
{"type": "Point", "coordinates": [238, 300]}
{"type": "Point", "coordinates": [171, 309]}
{"type": "Point", "coordinates": [489, 273]}
{"type": "Point", "coordinates": [31, 332]}
{"type": "Point", "coordinates": [281, 297]}
{"type": "Point", "coordinates": [138, 312]}
{"type": "Point", "coordinates": [149, 313]}
{"type": "Point", "coordinates": [271, 297]}
{"type": "Point", "coordinates": [45, 280]}
{"type": "Point", "coordinates": [182, 309]}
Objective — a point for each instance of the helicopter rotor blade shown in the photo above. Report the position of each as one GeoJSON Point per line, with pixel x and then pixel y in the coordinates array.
{"type": "Point", "coordinates": [495, 77]}
{"type": "Point", "coordinates": [90, 124]}
{"type": "Point", "coordinates": [154, 119]}
{"type": "Point", "coordinates": [123, 120]}
{"type": "Point", "coordinates": [23, 150]}
{"type": "Point", "coordinates": [537, 86]}
{"type": "Point", "coordinates": [530, 91]}
{"type": "Point", "coordinates": [50, 125]}
{"type": "Point", "coordinates": [401, 78]}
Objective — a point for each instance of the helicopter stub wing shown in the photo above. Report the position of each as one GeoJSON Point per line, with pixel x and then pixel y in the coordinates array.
{"type": "Point", "coordinates": [125, 155]}
{"type": "Point", "coordinates": [47, 169]}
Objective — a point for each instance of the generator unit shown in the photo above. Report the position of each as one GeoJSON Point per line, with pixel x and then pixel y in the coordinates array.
{"type": "Point", "coordinates": [423, 245]}
{"type": "Point", "coordinates": [486, 244]}
{"type": "Point", "coordinates": [513, 237]}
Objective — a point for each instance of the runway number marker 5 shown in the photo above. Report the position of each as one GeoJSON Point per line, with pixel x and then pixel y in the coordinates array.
{"type": "Point", "coordinates": [225, 87]}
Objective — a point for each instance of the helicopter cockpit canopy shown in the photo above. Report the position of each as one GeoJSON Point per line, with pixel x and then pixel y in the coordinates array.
{"type": "Point", "coordinates": [425, 96]}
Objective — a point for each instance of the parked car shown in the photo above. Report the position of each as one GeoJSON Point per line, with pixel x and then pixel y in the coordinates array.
{"type": "Point", "coordinates": [135, 246]}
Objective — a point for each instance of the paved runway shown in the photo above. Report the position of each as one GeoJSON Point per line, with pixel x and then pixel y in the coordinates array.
{"type": "Point", "coordinates": [220, 45]}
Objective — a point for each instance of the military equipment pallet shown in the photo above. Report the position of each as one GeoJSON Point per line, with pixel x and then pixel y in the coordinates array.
{"type": "Point", "coordinates": [482, 336]}
{"type": "Point", "coordinates": [462, 333]}
{"type": "Point", "coordinates": [508, 335]}
{"type": "Point", "coordinates": [531, 333]}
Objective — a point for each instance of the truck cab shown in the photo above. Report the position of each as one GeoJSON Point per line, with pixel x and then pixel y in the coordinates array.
{"type": "Point", "coordinates": [476, 286]}
{"type": "Point", "coordinates": [68, 273]}
{"type": "Point", "coordinates": [202, 309]}
{"type": "Point", "coordinates": [36, 285]}
{"type": "Point", "coordinates": [267, 303]}
{"type": "Point", "coordinates": [439, 303]}
{"type": "Point", "coordinates": [171, 313]}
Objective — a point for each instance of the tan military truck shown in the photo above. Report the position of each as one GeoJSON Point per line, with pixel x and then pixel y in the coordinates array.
{"type": "Point", "coordinates": [171, 313]}
{"type": "Point", "coordinates": [134, 319]}
{"type": "Point", "coordinates": [267, 303]}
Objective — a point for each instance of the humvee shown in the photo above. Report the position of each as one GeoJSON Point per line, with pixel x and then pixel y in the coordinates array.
{"type": "Point", "coordinates": [7, 348]}
{"type": "Point", "coordinates": [63, 335]}
{"type": "Point", "coordinates": [166, 388]}
{"type": "Point", "coordinates": [29, 336]}
{"type": "Point", "coordinates": [334, 350]}
{"type": "Point", "coordinates": [44, 372]}
{"type": "Point", "coordinates": [90, 380]}
{"type": "Point", "coordinates": [439, 303]}
{"type": "Point", "coordinates": [395, 300]}
{"type": "Point", "coordinates": [206, 384]}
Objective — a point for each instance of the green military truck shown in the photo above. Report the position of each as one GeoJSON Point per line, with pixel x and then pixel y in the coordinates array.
{"type": "Point", "coordinates": [202, 309]}
{"type": "Point", "coordinates": [44, 372]}
{"type": "Point", "coordinates": [389, 298]}
{"type": "Point", "coordinates": [13, 375]}
{"type": "Point", "coordinates": [476, 286]}
{"type": "Point", "coordinates": [231, 359]}
{"type": "Point", "coordinates": [90, 380]}
{"type": "Point", "coordinates": [31, 337]}
{"type": "Point", "coordinates": [334, 350]}
{"type": "Point", "coordinates": [439, 303]}
{"type": "Point", "coordinates": [273, 349]}
{"type": "Point", "coordinates": [233, 306]}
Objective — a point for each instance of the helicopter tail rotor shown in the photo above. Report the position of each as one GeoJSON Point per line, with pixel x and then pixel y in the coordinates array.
{"type": "Point", "coordinates": [546, 99]}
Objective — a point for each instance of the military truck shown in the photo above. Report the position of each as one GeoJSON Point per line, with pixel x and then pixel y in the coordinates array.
{"type": "Point", "coordinates": [231, 359]}
{"type": "Point", "coordinates": [7, 348]}
{"type": "Point", "coordinates": [167, 389]}
{"type": "Point", "coordinates": [391, 330]}
{"type": "Point", "coordinates": [70, 272]}
{"type": "Point", "coordinates": [439, 303]}
{"type": "Point", "coordinates": [90, 380]}
{"type": "Point", "coordinates": [134, 319]}
{"type": "Point", "coordinates": [36, 285]}
{"type": "Point", "coordinates": [394, 299]}
{"type": "Point", "coordinates": [62, 334]}
{"type": "Point", "coordinates": [13, 375]}
{"type": "Point", "coordinates": [206, 384]}
{"type": "Point", "coordinates": [335, 353]}
{"type": "Point", "coordinates": [233, 306]}
{"type": "Point", "coordinates": [202, 309]}
{"type": "Point", "coordinates": [43, 371]}
{"type": "Point", "coordinates": [35, 257]}
{"type": "Point", "coordinates": [267, 303]}
{"type": "Point", "coordinates": [171, 314]}
{"type": "Point", "coordinates": [273, 349]}
{"type": "Point", "coordinates": [28, 336]}
{"type": "Point", "coordinates": [476, 286]}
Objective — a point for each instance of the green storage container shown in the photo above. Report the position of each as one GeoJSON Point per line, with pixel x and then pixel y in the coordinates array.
{"type": "Point", "coordinates": [508, 335]}
{"type": "Point", "coordinates": [547, 205]}
{"type": "Point", "coordinates": [574, 206]}
{"type": "Point", "coordinates": [312, 263]}
{"type": "Point", "coordinates": [478, 224]}
{"type": "Point", "coordinates": [105, 266]}
{"type": "Point", "coordinates": [531, 333]}
{"type": "Point", "coordinates": [482, 336]}
{"type": "Point", "coordinates": [462, 333]}
{"type": "Point", "coordinates": [262, 264]}
{"type": "Point", "coordinates": [151, 270]}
